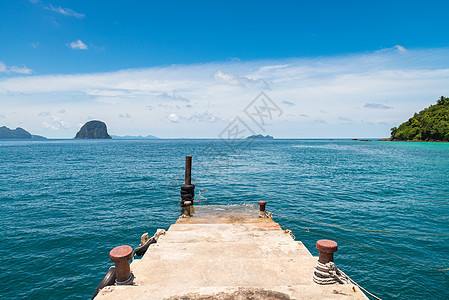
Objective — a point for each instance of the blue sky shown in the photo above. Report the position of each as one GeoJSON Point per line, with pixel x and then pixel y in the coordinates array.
{"type": "Point", "coordinates": [186, 69]}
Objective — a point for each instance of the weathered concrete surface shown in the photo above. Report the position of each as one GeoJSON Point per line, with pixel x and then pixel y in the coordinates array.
{"type": "Point", "coordinates": [227, 253]}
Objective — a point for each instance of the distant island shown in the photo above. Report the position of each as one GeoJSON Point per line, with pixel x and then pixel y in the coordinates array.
{"type": "Point", "coordinates": [18, 134]}
{"type": "Point", "coordinates": [430, 124]}
{"type": "Point", "coordinates": [139, 137]}
{"type": "Point", "coordinates": [260, 137]}
{"type": "Point", "coordinates": [93, 130]}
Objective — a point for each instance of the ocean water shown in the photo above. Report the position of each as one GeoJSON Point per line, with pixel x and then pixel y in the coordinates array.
{"type": "Point", "coordinates": [64, 204]}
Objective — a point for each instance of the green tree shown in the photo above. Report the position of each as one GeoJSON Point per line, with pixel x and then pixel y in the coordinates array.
{"type": "Point", "coordinates": [432, 123]}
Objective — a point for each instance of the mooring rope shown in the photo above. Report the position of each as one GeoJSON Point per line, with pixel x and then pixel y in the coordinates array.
{"type": "Point", "coordinates": [361, 229]}
{"type": "Point", "coordinates": [199, 194]}
{"type": "Point", "coordinates": [373, 248]}
{"type": "Point", "coordinates": [328, 274]}
{"type": "Point", "coordinates": [361, 287]}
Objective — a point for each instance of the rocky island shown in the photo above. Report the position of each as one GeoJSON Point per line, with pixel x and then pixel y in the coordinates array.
{"type": "Point", "coordinates": [93, 130]}
{"type": "Point", "coordinates": [431, 124]}
{"type": "Point", "coordinates": [18, 134]}
{"type": "Point", "coordinates": [260, 137]}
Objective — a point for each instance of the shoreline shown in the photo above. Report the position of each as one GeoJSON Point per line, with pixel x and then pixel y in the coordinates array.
{"type": "Point", "coordinates": [415, 141]}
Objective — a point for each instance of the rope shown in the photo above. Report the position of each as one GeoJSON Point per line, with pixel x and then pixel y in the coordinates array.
{"type": "Point", "coordinates": [362, 229]}
{"type": "Point", "coordinates": [360, 287]}
{"type": "Point", "coordinates": [376, 249]}
{"type": "Point", "coordinates": [155, 237]}
{"type": "Point", "coordinates": [290, 233]}
{"type": "Point", "coordinates": [199, 194]}
{"type": "Point", "coordinates": [265, 214]}
{"type": "Point", "coordinates": [328, 274]}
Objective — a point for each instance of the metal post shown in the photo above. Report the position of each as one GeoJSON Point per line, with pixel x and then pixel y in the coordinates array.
{"type": "Point", "coordinates": [187, 205]}
{"type": "Point", "coordinates": [262, 209]}
{"type": "Point", "coordinates": [120, 256]}
{"type": "Point", "coordinates": [188, 178]}
{"type": "Point", "coordinates": [326, 249]}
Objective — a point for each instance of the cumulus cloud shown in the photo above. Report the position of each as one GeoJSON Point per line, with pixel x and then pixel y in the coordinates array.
{"type": "Point", "coordinates": [62, 111]}
{"type": "Point", "coordinates": [288, 103]}
{"type": "Point", "coordinates": [65, 11]}
{"type": "Point", "coordinates": [400, 48]}
{"type": "Point", "coordinates": [173, 118]}
{"type": "Point", "coordinates": [321, 88]}
{"type": "Point", "coordinates": [397, 48]}
{"type": "Point", "coordinates": [205, 117]}
{"type": "Point", "coordinates": [54, 123]}
{"type": "Point", "coordinates": [78, 45]}
{"type": "Point", "coordinates": [173, 97]}
{"type": "Point", "coordinates": [14, 69]}
{"type": "Point", "coordinates": [44, 114]}
{"type": "Point", "coordinates": [241, 80]}
{"type": "Point", "coordinates": [376, 106]}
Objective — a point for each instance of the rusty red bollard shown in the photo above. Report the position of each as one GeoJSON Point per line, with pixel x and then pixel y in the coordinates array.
{"type": "Point", "coordinates": [326, 249]}
{"type": "Point", "coordinates": [262, 208]}
{"type": "Point", "coordinates": [120, 256]}
{"type": "Point", "coordinates": [187, 205]}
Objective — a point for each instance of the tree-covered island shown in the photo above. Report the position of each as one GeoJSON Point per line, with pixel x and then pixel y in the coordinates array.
{"type": "Point", "coordinates": [430, 124]}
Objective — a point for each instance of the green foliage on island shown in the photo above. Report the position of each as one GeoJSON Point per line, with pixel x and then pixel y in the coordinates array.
{"type": "Point", "coordinates": [430, 124]}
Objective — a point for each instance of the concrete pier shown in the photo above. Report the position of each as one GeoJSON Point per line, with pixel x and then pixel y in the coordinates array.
{"type": "Point", "coordinates": [227, 252]}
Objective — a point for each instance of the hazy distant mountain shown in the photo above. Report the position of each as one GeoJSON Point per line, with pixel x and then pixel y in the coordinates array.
{"type": "Point", "coordinates": [260, 137]}
{"type": "Point", "coordinates": [139, 137]}
{"type": "Point", "coordinates": [18, 134]}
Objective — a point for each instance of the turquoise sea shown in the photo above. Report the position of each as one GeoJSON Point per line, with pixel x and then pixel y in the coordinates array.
{"type": "Point", "coordinates": [64, 204]}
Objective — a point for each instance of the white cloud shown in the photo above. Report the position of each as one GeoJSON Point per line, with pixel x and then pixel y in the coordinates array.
{"type": "Point", "coordinates": [14, 69]}
{"type": "Point", "coordinates": [396, 48]}
{"type": "Point", "coordinates": [78, 45]}
{"type": "Point", "coordinates": [20, 70]}
{"type": "Point", "coordinates": [400, 48]}
{"type": "Point", "coordinates": [205, 117]}
{"type": "Point", "coordinates": [65, 11]}
{"type": "Point", "coordinates": [54, 123]}
{"type": "Point", "coordinates": [376, 106]}
{"type": "Point", "coordinates": [345, 95]}
{"type": "Point", "coordinates": [44, 114]}
{"type": "Point", "coordinates": [241, 80]}
{"type": "Point", "coordinates": [173, 118]}
{"type": "Point", "coordinates": [289, 103]}
{"type": "Point", "coordinates": [173, 97]}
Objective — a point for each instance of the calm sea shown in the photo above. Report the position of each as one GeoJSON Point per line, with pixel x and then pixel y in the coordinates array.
{"type": "Point", "coordinates": [64, 204]}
